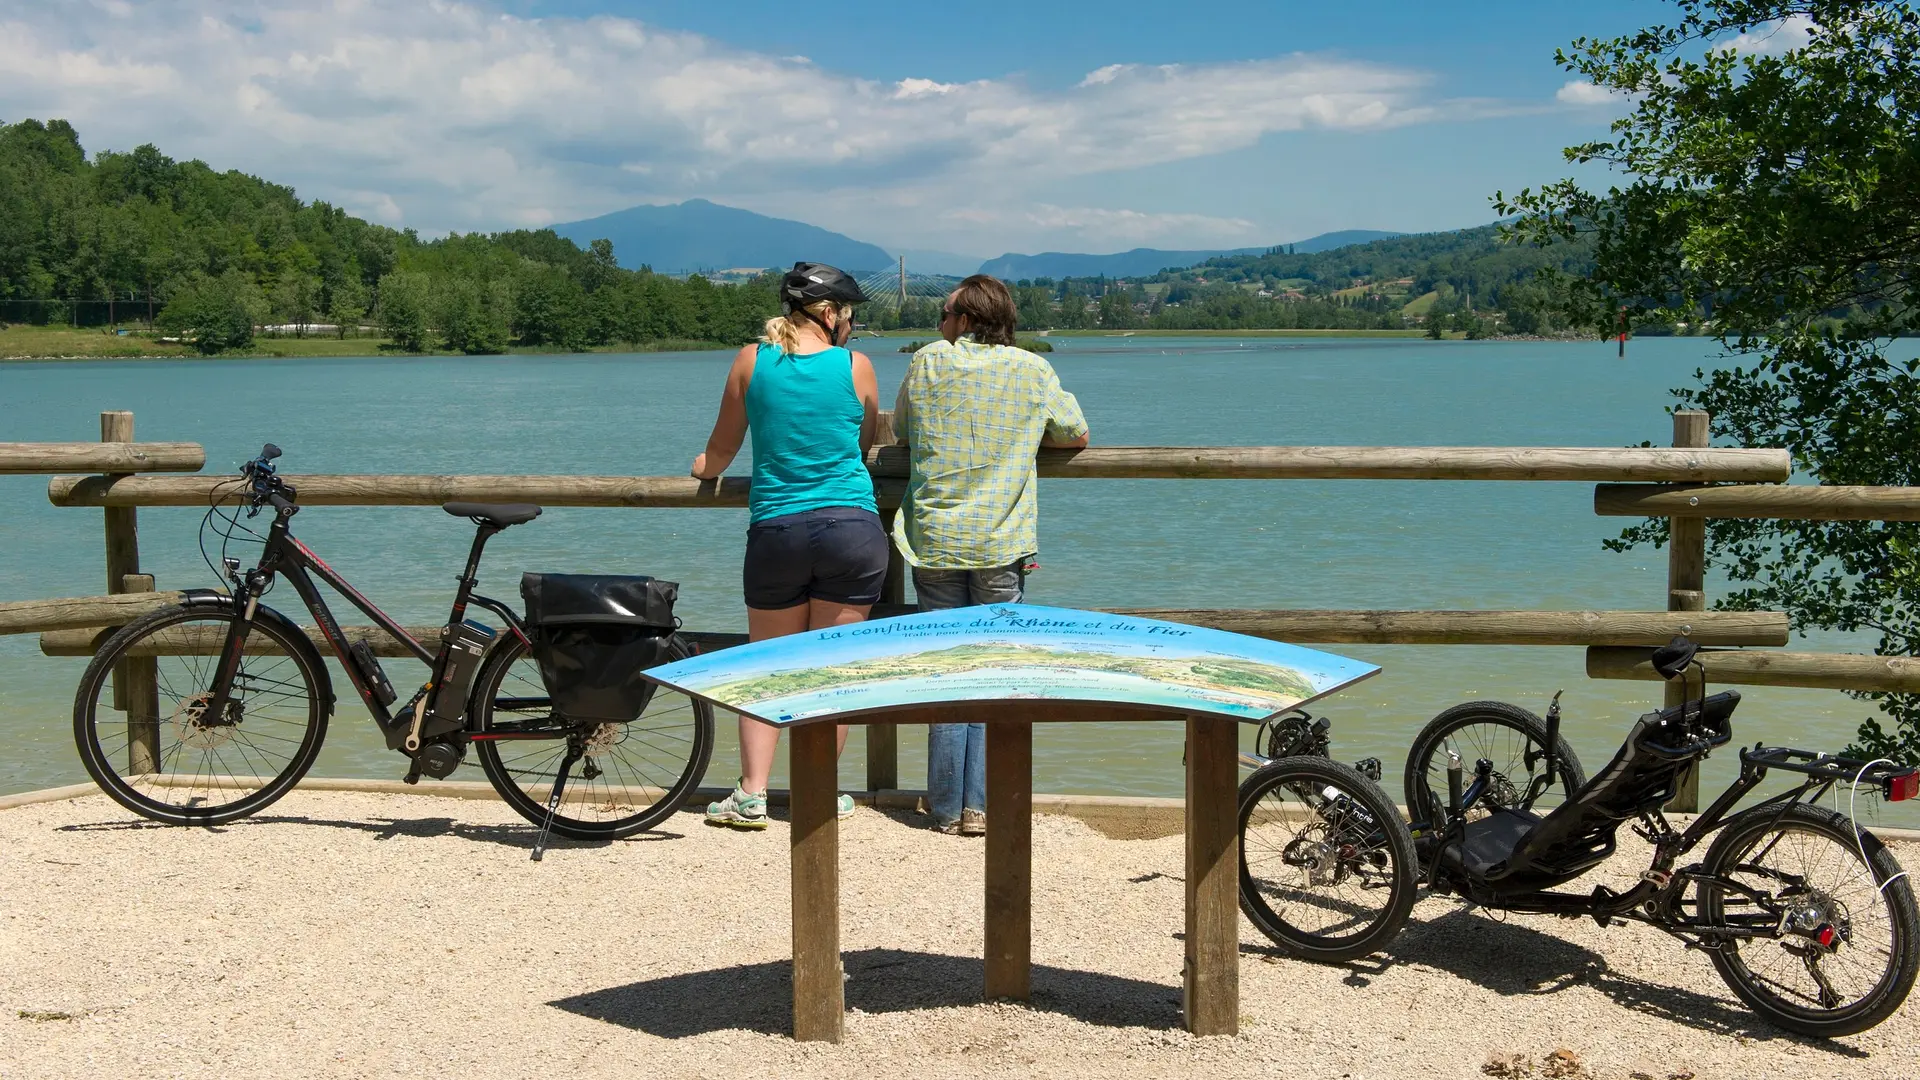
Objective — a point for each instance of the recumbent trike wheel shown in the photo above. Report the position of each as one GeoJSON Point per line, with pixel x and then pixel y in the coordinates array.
{"type": "Point", "coordinates": [1327, 867]}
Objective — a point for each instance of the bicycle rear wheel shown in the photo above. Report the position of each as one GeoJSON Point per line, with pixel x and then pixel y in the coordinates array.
{"type": "Point", "coordinates": [630, 777]}
{"type": "Point", "coordinates": [1327, 867]}
{"type": "Point", "coordinates": [140, 725]}
{"type": "Point", "coordinates": [1784, 879]}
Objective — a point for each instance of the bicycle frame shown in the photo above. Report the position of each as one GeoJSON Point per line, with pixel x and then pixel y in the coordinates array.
{"type": "Point", "coordinates": [286, 556]}
{"type": "Point", "coordinates": [1659, 899]}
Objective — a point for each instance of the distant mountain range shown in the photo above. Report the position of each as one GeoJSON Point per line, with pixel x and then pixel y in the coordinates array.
{"type": "Point", "coordinates": [1143, 262]}
{"type": "Point", "coordinates": [698, 235]}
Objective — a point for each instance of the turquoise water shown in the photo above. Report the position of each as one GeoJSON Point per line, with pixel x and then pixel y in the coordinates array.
{"type": "Point", "coordinates": [1105, 543]}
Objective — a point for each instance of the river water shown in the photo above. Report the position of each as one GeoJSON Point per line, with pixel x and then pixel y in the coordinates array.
{"type": "Point", "coordinates": [1105, 543]}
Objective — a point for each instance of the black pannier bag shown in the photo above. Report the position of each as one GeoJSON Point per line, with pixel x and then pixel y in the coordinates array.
{"type": "Point", "coordinates": [593, 634]}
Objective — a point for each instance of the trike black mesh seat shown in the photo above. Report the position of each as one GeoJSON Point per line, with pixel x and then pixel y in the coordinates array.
{"type": "Point", "coordinates": [1513, 850]}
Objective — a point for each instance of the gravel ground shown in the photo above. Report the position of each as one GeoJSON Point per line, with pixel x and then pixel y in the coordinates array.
{"type": "Point", "coordinates": [368, 935]}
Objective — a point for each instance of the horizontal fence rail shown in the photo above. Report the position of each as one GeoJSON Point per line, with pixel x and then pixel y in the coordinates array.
{"type": "Point", "coordinates": [78, 612]}
{"type": "Point", "coordinates": [1316, 627]}
{"type": "Point", "coordinates": [1579, 463]}
{"type": "Point", "coordinates": [1485, 627]}
{"type": "Point", "coordinates": [890, 464]}
{"type": "Point", "coordinates": [1804, 502]}
{"type": "Point", "coordinates": [103, 457]}
{"type": "Point", "coordinates": [1833, 671]}
{"type": "Point", "coordinates": [325, 490]}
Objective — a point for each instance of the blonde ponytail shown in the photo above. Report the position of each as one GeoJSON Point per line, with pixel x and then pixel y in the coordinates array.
{"type": "Point", "coordinates": [784, 330]}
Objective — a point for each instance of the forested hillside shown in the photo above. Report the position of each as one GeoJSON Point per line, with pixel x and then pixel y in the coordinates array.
{"type": "Point", "coordinates": [216, 254]}
{"type": "Point", "coordinates": [1469, 280]}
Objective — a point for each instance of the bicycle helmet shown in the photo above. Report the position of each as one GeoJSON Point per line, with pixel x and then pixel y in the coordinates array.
{"type": "Point", "coordinates": [810, 283]}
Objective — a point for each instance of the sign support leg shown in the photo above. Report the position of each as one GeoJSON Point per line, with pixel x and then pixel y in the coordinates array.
{"type": "Point", "coordinates": [1212, 978]}
{"type": "Point", "coordinates": [1009, 860]}
{"type": "Point", "coordinates": [819, 991]}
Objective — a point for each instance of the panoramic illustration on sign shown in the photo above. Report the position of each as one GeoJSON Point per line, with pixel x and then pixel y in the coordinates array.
{"type": "Point", "coordinates": [1010, 651]}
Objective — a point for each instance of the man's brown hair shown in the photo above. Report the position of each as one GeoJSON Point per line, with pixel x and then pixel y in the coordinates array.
{"type": "Point", "coordinates": [989, 308]}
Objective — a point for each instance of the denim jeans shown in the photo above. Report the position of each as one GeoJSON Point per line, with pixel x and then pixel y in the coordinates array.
{"type": "Point", "coordinates": [957, 753]}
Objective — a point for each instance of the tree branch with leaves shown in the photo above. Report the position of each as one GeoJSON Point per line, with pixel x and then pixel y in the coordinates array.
{"type": "Point", "coordinates": [1771, 164]}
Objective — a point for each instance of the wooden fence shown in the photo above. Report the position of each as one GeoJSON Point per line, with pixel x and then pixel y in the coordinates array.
{"type": "Point", "coordinates": [1686, 483]}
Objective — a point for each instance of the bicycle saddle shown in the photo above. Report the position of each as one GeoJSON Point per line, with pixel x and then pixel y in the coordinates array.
{"type": "Point", "coordinates": [498, 515]}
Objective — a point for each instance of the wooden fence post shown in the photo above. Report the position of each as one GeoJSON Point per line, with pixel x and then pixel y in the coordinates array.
{"type": "Point", "coordinates": [123, 533]}
{"type": "Point", "coordinates": [1686, 584]}
{"type": "Point", "coordinates": [140, 677]}
{"type": "Point", "coordinates": [883, 740]}
{"type": "Point", "coordinates": [134, 680]}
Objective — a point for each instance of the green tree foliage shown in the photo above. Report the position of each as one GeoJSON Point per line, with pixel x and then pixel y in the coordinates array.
{"type": "Point", "coordinates": [1777, 193]}
{"type": "Point", "coordinates": [215, 313]}
{"type": "Point", "coordinates": [139, 224]}
{"type": "Point", "coordinates": [1117, 312]}
{"type": "Point", "coordinates": [346, 305]}
{"type": "Point", "coordinates": [549, 307]}
{"type": "Point", "coordinates": [472, 317]}
{"type": "Point", "coordinates": [404, 306]}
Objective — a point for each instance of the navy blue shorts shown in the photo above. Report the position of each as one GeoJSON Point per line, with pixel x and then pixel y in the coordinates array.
{"type": "Point", "coordinates": [837, 554]}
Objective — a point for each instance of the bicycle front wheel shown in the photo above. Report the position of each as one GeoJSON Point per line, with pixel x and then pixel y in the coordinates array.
{"type": "Point", "coordinates": [1327, 867]}
{"type": "Point", "coordinates": [630, 776]}
{"type": "Point", "coordinates": [140, 722]}
{"type": "Point", "coordinates": [1509, 737]}
{"type": "Point", "coordinates": [1823, 935]}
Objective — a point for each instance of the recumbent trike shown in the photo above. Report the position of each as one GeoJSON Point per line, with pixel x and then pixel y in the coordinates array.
{"type": "Point", "coordinates": [1808, 917]}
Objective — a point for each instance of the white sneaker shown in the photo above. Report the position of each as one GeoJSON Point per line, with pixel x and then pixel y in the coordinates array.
{"type": "Point", "coordinates": [741, 809]}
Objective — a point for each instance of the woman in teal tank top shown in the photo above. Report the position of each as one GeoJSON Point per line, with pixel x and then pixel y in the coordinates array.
{"type": "Point", "coordinates": [816, 554]}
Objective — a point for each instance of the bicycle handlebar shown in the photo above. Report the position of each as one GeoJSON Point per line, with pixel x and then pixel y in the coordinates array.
{"type": "Point", "coordinates": [266, 488]}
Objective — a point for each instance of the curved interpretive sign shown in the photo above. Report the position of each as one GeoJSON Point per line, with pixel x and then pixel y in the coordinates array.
{"type": "Point", "coordinates": [1010, 652]}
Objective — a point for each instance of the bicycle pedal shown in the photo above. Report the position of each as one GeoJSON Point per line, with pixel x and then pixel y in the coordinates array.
{"type": "Point", "coordinates": [412, 777]}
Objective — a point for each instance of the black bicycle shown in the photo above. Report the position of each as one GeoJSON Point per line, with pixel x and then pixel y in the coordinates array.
{"type": "Point", "coordinates": [1807, 916]}
{"type": "Point", "coordinates": [211, 709]}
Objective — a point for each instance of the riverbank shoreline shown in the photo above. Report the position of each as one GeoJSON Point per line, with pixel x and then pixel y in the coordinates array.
{"type": "Point", "coordinates": [325, 937]}
{"type": "Point", "coordinates": [357, 348]}
{"type": "Point", "coordinates": [314, 349]}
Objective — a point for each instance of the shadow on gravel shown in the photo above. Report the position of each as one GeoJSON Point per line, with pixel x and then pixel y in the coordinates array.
{"type": "Point", "coordinates": [127, 826]}
{"type": "Point", "coordinates": [759, 997]}
{"type": "Point", "coordinates": [515, 835]}
{"type": "Point", "coordinates": [1514, 959]}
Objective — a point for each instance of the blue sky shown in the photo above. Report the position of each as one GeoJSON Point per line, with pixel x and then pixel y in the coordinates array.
{"type": "Point", "coordinates": [974, 128]}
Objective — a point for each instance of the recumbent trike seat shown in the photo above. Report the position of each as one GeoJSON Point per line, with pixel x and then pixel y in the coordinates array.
{"type": "Point", "coordinates": [1513, 850]}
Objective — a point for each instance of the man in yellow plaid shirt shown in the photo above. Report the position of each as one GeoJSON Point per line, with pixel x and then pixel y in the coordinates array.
{"type": "Point", "coordinates": [974, 409]}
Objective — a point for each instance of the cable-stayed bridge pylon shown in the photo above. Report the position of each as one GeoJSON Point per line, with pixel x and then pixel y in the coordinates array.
{"type": "Point", "coordinates": [897, 287]}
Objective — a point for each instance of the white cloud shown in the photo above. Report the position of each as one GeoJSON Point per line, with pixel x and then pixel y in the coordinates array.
{"type": "Point", "coordinates": [916, 87]}
{"type": "Point", "coordinates": [1580, 92]}
{"type": "Point", "coordinates": [1119, 229]}
{"type": "Point", "coordinates": [448, 114]}
{"type": "Point", "coordinates": [1792, 32]}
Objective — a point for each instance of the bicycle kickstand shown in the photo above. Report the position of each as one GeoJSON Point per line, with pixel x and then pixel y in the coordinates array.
{"type": "Point", "coordinates": [574, 753]}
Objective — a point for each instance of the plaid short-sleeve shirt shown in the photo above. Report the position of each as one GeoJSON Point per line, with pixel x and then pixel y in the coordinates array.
{"type": "Point", "coordinates": [973, 416]}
